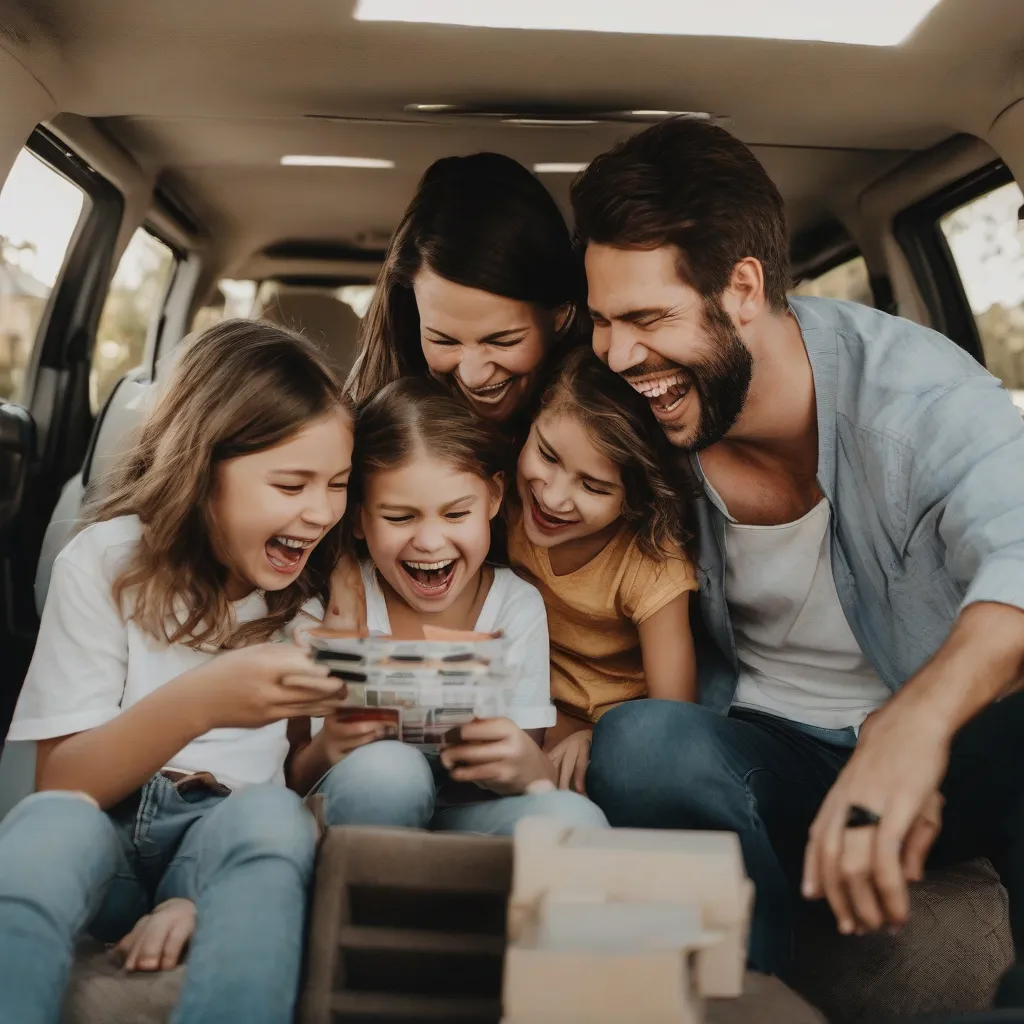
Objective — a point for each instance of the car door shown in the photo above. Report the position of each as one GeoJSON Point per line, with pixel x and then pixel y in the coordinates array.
{"type": "Point", "coordinates": [59, 221]}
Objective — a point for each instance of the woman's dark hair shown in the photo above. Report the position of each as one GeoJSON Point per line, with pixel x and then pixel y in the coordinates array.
{"type": "Point", "coordinates": [657, 480]}
{"type": "Point", "coordinates": [413, 415]}
{"type": "Point", "coordinates": [690, 184]}
{"type": "Point", "coordinates": [483, 221]}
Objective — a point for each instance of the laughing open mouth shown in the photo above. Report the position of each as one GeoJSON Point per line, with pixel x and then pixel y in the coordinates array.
{"type": "Point", "coordinates": [492, 392]}
{"type": "Point", "coordinates": [545, 520]}
{"type": "Point", "coordinates": [431, 577]}
{"type": "Point", "coordinates": [285, 553]}
{"type": "Point", "coordinates": [664, 393]}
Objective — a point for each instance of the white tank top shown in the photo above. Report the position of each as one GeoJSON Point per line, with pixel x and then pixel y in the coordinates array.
{"type": "Point", "coordinates": [798, 657]}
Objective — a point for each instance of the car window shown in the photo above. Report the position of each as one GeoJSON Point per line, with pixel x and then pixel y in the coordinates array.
{"type": "Point", "coordinates": [358, 296]}
{"type": "Point", "coordinates": [848, 281]}
{"type": "Point", "coordinates": [133, 305]}
{"type": "Point", "coordinates": [39, 211]}
{"type": "Point", "coordinates": [985, 240]}
{"type": "Point", "coordinates": [232, 298]}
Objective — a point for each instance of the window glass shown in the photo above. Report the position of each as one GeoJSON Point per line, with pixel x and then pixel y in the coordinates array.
{"type": "Point", "coordinates": [848, 281]}
{"type": "Point", "coordinates": [358, 296]}
{"type": "Point", "coordinates": [39, 210]}
{"type": "Point", "coordinates": [986, 244]}
{"type": "Point", "coordinates": [134, 303]}
{"type": "Point", "coordinates": [231, 299]}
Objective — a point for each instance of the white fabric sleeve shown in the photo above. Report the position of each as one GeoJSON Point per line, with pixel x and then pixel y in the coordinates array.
{"type": "Point", "coordinates": [77, 675]}
{"type": "Point", "coordinates": [525, 623]}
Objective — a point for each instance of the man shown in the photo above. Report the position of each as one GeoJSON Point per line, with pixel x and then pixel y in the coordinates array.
{"type": "Point", "coordinates": [861, 553]}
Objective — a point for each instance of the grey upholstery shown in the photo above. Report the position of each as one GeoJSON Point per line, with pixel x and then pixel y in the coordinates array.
{"type": "Point", "coordinates": [325, 320]}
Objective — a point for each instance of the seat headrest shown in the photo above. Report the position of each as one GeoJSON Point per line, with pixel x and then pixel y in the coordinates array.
{"type": "Point", "coordinates": [325, 320]}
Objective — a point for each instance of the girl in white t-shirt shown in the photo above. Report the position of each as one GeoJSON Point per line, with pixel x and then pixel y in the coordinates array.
{"type": "Point", "coordinates": [428, 479]}
{"type": "Point", "coordinates": [221, 527]}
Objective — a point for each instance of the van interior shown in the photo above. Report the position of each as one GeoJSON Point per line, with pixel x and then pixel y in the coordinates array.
{"type": "Point", "coordinates": [166, 166]}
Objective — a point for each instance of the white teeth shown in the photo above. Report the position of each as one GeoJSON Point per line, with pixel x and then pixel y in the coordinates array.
{"type": "Point", "coordinates": [294, 542]}
{"type": "Point", "coordinates": [430, 566]}
{"type": "Point", "coordinates": [656, 388]}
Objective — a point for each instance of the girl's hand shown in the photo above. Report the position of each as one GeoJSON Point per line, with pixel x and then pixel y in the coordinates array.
{"type": "Point", "coordinates": [158, 940]}
{"type": "Point", "coordinates": [338, 738]}
{"type": "Point", "coordinates": [255, 686]}
{"type": "Point", "coordinates": [346, 609]}
{"type": "Point", "coordinates": [570, 758]}
{"type": "Point", "coordinates": [498, 755]}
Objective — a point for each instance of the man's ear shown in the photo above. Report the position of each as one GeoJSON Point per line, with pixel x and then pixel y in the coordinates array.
{"type": "Point", "coordinates": [497, 487]}
{"type": "Point", "coordinates": [745, 291]}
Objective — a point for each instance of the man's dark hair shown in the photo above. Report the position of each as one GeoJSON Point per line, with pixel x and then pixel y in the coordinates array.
{"type": "Point", "coordinates": [690, 184]}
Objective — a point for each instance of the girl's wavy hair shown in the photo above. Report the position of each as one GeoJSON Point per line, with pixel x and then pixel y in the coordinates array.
{"type": "Point", "coordinates": [240, 387]}
{"type": "Point", "coordinates": [483, 221]}
{"type": "Point", "coordinates": [413, 415]}
{"type": "Point", "coordinates": [657, 480]}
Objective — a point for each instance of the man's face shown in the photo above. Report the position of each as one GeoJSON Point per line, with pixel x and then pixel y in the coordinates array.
{"type": "Point", "coordinates": [679, 350]}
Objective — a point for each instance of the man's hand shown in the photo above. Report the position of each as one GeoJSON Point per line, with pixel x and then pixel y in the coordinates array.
{"type": "Point", "coordinates": [570, 758]}
{"type": "Point", "coordinates": [498, 755]}
{"type": "Point", "coordinates": [895, 773]}
{"type": "Point", "coordinates": [157, 941]}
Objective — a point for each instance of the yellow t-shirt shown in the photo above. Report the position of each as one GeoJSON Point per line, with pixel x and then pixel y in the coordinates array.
{"type": "Point", "coordinates": [593, 614]}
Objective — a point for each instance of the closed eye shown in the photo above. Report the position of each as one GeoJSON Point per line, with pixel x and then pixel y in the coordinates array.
{"type": "Point", "coordinates": [457, 515]}
{"type": "Point", "coordinates": [506, 343]}
{"type": "Point", "coordinates": [587, 486]}
{"type": "Point", "coordinates": [444, 341]}
{"type": "Point", "coordinates": [397, 519]}
{"type": "Point", "coordinates": [546, 456]}
{"type": "Point", "coordinates": [290, 488]}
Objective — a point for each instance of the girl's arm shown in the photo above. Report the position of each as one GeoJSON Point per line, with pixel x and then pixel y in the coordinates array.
{"type": "Point", "coordinates": [346, 609]}
{"type": "Point", "coordinates": [666, 644]}
{"type": "Point", "coordinates": [247, 688]}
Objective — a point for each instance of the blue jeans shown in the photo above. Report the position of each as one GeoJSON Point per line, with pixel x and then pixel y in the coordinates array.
{"type": "Point", "coordinates": [390, 783]}
{"type": "Point", "coordinates": [244, 859]}
{"type": "Point", "coordinates": [662, 764]}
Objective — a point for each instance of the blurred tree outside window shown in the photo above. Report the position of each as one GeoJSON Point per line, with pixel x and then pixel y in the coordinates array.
{"type": "Point", "coordinates": [849, 281]}
{"type": "Point", "coordinates": [39, 211]}
{"type": "Point", "coordinates": [134, 303]}
{"type": "Point", "coordinates": [985, 240]}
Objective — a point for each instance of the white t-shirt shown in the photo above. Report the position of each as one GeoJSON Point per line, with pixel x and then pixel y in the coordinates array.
{"type": "Point", "coordinates": [89, 664]}
{"type": "Point", "coordinates": [798, 656]}
{"type": "Point", "coordinates": [517, 609]}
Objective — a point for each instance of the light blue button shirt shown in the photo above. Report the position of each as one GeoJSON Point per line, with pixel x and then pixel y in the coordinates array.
{"type": "Point", "coordinates": [921, 457]}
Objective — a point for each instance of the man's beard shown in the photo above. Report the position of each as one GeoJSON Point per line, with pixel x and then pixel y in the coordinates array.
{"type": "Point", "coordinates": [720, 379]}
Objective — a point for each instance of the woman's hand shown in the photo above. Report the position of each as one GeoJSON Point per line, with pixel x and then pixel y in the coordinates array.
{"type": "Point", "coordinates": [498, 755]}
{"type": "Point", "coordinates": [346, 609]}
{"type": "Point", "coordinates": [255, 686]}
{"type": "Point", "coordinates": [157, 941]}
{"type": "Point", "coordinates": [570, 758]}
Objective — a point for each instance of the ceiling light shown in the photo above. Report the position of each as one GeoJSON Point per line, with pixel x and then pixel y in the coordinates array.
{"type": "Point", "coordinates": [556, 168]}
{"type": "Point", "coordinates": [867, 22]}
{"type": "Point", "coordinates": [294, 160]}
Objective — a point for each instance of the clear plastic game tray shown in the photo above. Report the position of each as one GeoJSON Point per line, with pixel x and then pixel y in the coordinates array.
{"type": "Point", "coordinates": [419, 688]}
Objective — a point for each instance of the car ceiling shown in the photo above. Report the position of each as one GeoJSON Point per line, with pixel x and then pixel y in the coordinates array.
{"type": "Point", "coordinates": [209, 94]}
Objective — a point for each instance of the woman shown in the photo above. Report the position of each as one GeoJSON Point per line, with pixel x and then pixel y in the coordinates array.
{"type": "Point", "coordinates": [478, 289]}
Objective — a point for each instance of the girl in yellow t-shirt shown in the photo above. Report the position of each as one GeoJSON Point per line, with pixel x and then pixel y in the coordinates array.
{"type": "Point", "coordinates": [598, 530]}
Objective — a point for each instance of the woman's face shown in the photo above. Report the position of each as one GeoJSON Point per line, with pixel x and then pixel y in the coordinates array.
{"type": "Point", "coordinates": [492, 347]}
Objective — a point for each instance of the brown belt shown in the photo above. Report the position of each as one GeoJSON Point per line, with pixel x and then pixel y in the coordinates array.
{"type": "Point", "coordinates": [189, 782]}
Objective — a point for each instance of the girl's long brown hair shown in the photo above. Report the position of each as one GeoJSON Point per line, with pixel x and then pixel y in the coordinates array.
{"type": "Point", "coordinates": [240, 387]}
{"type": "Point", "coordinates": [657, 479]}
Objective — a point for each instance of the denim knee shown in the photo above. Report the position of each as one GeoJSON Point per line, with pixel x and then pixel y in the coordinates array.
{"type": "Point", "coordinates": [70, 820]}
{"type": "Point", "coordinates": [655, 757]}
{"type": "Point", "coordinates": [268, 821]}
{"type": "Point", "coordinates": [383, 783]}
{"type": "Point", "coordinates": [567, 807]}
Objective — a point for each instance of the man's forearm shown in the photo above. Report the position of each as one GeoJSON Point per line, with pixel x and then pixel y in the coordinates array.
{"type": "Point", "coordinates": [981, 661]}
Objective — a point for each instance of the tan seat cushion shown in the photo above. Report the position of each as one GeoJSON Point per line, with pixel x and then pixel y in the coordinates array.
{"type": "Point", "coordinates": [948, 958]}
